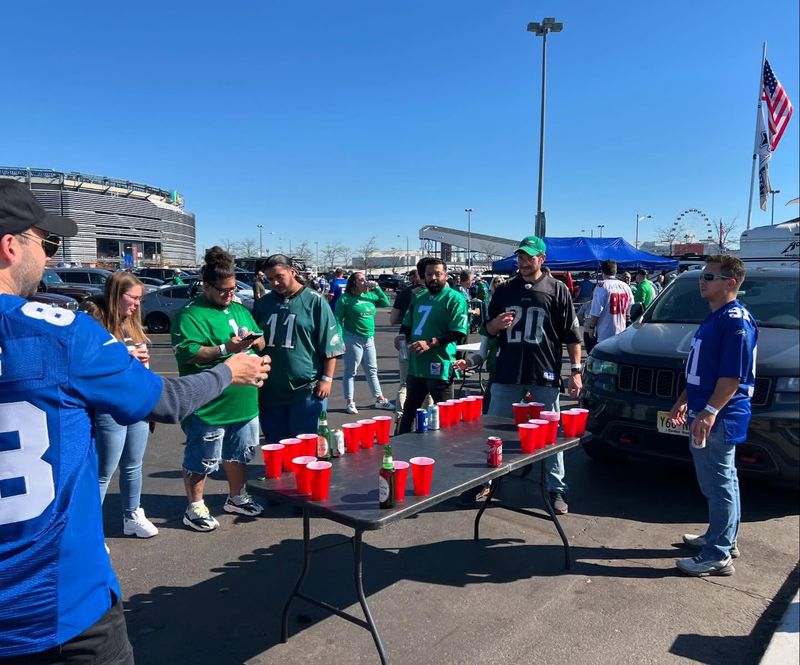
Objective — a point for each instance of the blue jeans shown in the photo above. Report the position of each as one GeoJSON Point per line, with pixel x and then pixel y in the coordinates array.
{"type": "Point", "coordinates": [504, 395]}
{"type": "Point", "coordinates": [121, 446]}
{"type": "Point", "coordinates": [358, 349]}
{"type": "Point", "coordinates": [715, 466]}
{"type": "Point", "coordinates": [207, 445]}
{"type": "Point", "coordinates": [282, 421]}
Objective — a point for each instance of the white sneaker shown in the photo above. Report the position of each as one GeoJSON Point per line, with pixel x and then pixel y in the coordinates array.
{"type": "Point", "coordinates": [138, 525]}
{"type": "Point", "coordinates": [351, 409]}
{"type": "Point", "coordinates": [384, 404]}
{"type": "Point", "coordinates": [243, 505]}
{"type": "Point", "coordinates": [198, 518]}
{"type": "Point", "coordinates": [697, 568]}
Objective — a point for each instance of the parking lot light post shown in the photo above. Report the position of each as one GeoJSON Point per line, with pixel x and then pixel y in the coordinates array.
{"type": "Point", "coordinates": [407, 257]}
{"type": "Point", "coordinates": [639, 218]}
{"type": "Point", "coordinates": [469, 236]}
{"type": "Point", "coordinates": [773, 192]}
{"type": "Point", "coordinates": [260, 239]}
{"type": "Point", "coordinates": [601, 227]}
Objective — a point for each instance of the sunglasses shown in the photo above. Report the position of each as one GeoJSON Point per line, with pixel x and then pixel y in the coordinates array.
{"type": "Point", "coordinates": [50, 244]}
{"type": "Point", "coordinates": [222, 292]}
{"type": "Point", "coordinates": [710, 277]}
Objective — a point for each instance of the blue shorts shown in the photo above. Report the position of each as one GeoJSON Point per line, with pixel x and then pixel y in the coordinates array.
{"type": "Point", "coordinates": [207, 445]}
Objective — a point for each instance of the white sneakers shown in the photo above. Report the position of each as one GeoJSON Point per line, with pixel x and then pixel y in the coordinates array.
{"type": "Point", "coordinates": [351, 409]}
{"type": "Point", "coordinates": [138, 525]}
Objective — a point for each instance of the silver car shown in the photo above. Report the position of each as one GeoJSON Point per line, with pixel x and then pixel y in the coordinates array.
{"type": "Point", "coordinates": [160, 306]}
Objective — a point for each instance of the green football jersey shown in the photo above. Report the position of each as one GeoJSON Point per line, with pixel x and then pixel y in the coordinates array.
{"type": "Point", "coordinates": [356, 314]}
{"type": "Point", "coordinates": [431, 316]}
{"type": "Point", "coordinates": [200, 323]}
{"type": "Point", "coordinates": [300, 333]}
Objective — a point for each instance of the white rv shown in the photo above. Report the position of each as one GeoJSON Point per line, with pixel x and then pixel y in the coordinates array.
{"type": "Point", "coordinates": [777, 246]}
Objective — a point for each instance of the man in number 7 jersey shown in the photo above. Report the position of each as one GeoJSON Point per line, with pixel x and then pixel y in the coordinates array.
{"type": "Point", "coordinates": [611, 301]}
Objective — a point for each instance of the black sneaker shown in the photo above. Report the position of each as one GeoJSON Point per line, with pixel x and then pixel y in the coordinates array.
{"type": "Point", "coordinates": [243, 505]}
{"type": "Point", "coordinates": [559, 503]}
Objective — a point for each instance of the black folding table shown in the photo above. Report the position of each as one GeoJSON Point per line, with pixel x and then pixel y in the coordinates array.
{"type": "Point", "coordinates": [460, 454]}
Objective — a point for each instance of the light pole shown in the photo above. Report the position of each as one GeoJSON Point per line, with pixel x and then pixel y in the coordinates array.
{"type": "Point", "coordinates": [591, 231]}
{"type": "Point", "coordinates": [773, 192]}
{"type": "Point", "coordinates": [260, 239]}
{"type": "Point", "coordinates": [469, 236]}
{"type": "Point", "coordinates": [407, 257]}
{"type": "Point", "coordinates": [601, 227]}
{"type": "Point", "coordinates": [639, 218]}
{"type": "Point", "coordinates": [541, 29]}
{"type": "Point", "coordinates": [316, 247]}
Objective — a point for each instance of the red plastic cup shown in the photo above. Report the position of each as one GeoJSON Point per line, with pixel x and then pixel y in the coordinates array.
{"type": "Point", "coordinates": [301, 475]}
{"type": "Point", "coordinates": [535, 409]}
{"type": "Point", "coordinates": [453, 412]}
{"type": "Point", "coordinates": [569, 423]}
{"type": "Point", "coordinates": [320, 473]}
{"type": "Point", "coordinates": [444, 414]}
{"type": "Point", "coordinates": [463, 409]}
{"type": "Point", "coordinates": [583, 417]}
{"type": "Point", "coordinates": [520, 412]}
{"type": "Point", "coordinates": [400, 479]}
{"type": "Point", "coordinates": [291, 449]}
{"type": "Point", "coordinates": [421, 474]}
{"type": "Point", "coordinates": [552, 417]}
{"type": "Point", "coordinates": [367, 432]}
{"type": "Point", "coordinates": [352, 437]}
{"type": "Point", "coordinates": [526, 441]}
{"type": "Point", "coordinates": [383, 428]}
{"type": "Point", "coordinates": [473, 407]}
{"type": "Point", "coordinates": [479, 407]}
{"type": "Point", "coordinates": [540, 435]}
{"type": "Point", "coordinates": [273, 459]}
{"type": "Point", "coordinates": [309, 445]}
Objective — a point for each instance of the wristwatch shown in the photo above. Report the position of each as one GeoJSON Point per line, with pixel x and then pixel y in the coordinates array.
{"type": "Point", "coordinates": [711, 409]}
{"type": "Point", "coordinates": [576, 369]}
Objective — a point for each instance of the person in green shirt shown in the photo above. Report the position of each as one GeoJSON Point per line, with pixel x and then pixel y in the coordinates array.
{"type": "Point", "coordinates": [302, 338]}
{"type": "Point", "coordinates": [355, 313]}
{"type": "Point", "coordinates": [644, 292]}
{"type": "Point", "coordinates": [436, 321]}
{"type": "Point", "coordinates": [205, 332]}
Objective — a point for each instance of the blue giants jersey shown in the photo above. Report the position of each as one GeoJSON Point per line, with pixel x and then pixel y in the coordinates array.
{"type": "Point", "coordinates": [337, 289]}
{"type": "Point", "coordinates": [55, 368]}
{"type": "Point", "coordinates": [724, 346]}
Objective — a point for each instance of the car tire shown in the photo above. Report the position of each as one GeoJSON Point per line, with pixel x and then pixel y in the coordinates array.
{"type": "Point", "coordinates": [157, 323]}
{"type": "Point", "coordinates": [600, 451]}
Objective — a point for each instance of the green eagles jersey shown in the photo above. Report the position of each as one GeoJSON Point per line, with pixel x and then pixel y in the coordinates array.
{"type": "Point", "coordinates": [356, 314]}
{"type": "Point", "coordinates": [431, 316]}
{"type": "Point", "coordinates": [300, 333]}
{"type": "Point", "coordinates": [200, 323]}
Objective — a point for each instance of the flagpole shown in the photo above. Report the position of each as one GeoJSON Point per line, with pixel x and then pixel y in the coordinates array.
{"type": "Point", "coordinates": [755, 140]}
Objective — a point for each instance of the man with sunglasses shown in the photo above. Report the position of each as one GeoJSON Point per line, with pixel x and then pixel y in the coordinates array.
{"type": "Point", "coordinates": [720, 379]}
{"type": "Point", "coordinates": [59, 596]}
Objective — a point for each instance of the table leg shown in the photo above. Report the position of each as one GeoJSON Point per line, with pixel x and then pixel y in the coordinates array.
{"type": "Point", "coordinates": [492, 490]}
{"type": "Point", "coordinates": [357, 570]}
{"type": "Point", "coordinates": [554, 517]}
{"type": "Point", "coordinates": [303, 574]}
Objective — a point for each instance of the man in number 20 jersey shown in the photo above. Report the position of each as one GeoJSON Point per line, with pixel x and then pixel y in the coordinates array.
{"type": "Point", "coordinates": [611, 302]}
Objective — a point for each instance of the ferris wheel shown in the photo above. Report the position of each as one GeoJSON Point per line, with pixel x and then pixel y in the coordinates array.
{"type": "Point", "coordinates": [693, 224]}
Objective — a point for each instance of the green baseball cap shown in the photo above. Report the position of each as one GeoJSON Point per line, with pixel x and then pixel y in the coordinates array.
{"type": "Point", "coordinates": [532, 245]}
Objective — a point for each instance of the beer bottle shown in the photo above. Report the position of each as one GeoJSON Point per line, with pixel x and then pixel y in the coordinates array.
{"type": "Point", "coordinates": [386, 479]}
{"type": "Point", "coordinates": [323, 438]}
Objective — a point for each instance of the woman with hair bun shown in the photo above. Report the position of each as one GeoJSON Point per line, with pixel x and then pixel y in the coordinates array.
{"type": "Point", "coordinates": [207, 330]}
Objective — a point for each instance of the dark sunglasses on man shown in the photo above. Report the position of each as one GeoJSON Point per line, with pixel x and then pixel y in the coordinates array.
{"type": "Point", "coordinates": [50, 244]}
{"type": "Point", "coordinates": [710, 276]}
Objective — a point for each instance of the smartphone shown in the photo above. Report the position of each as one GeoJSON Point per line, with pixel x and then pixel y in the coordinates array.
{"type": "Point", "coordinates": [252, 336]}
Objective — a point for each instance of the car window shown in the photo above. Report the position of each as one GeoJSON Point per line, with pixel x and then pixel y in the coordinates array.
{"type": "Point", "coordinates": [75, 277]}
{"type": "Point", "coordinates": [51, 277]}
{"type": "Point", "coordinates": [97, 278]}
{"type": "Point", "coordinates": [177, 292]}
{"type": "Point", "coordinates": [772, 300]}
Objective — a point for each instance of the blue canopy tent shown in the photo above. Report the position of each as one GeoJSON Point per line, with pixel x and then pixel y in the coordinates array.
{"type": "Point", "coordinates": [588, 253]}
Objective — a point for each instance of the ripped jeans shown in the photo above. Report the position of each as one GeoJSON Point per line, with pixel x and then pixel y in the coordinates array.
{"type": "Point", "coordinates": [208, 445]}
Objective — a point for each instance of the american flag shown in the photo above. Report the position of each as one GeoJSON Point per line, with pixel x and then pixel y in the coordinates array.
{"type": "Point", "coordinates": [778, 104]}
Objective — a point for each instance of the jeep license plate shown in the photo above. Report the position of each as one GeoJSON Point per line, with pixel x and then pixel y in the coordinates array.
{"type": "Point", "coordinates": [666, 427]}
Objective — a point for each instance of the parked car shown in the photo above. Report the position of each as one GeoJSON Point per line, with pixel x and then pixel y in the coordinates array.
{"type": "Point", "coordinates": [164, 274]}
{"type": "Point", "coordinates": [160, 307]}
{"type": "Point", "coordinates": [54, 300]}
{"type": "Point", "coordinates": [84, 276]}
{"type": "Point", "coordinates": [632, 380]}
{"type": "Point", "coordinates": [392, 282]}
{"type": "Point", "coordinates": [150, 281]}
{"type": "Point", "coordinates": [52, 283]}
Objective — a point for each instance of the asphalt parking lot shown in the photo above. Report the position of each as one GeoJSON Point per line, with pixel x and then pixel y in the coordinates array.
{"type": "Point", "coordinates": [437, 596]}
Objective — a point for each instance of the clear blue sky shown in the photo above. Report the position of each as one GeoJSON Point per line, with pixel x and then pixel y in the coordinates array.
{"type": "Point", "coordinates": [339, 120]}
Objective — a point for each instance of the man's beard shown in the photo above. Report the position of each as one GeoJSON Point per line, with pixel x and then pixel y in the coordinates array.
{"type": "Point", "coordinates": [434, 287]}
{"type": "Point", "coordinates": [27, 279]}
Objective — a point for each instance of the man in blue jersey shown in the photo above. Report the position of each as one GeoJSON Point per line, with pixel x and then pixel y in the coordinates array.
{"type": "Point", "coordinates": [59, 597]}
{"type": "Point", "coordinates": [720, 378]}
{"type": "Point", "coordinates": [336, 289]}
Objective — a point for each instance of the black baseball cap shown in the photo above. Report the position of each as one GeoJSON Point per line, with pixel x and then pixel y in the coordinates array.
{"type": "Point", "coordinates": [20, 211]}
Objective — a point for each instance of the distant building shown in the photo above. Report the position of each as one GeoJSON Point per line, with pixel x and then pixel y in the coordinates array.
{"type": "Point", "coordinates": [120, 223]}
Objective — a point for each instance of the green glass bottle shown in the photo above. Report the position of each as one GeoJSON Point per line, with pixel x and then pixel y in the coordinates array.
{"type": "Point", "coordinates": [323, 438]}
{"type": "Point", "coordinates": [386, 479]}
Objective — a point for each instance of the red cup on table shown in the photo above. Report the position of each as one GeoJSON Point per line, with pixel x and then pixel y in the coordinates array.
{"type": "Point", "coordinates": [479, 406]}
{"type": "Point", "coordinates": [569, 423]}
{"type": "Point", "coordinates": [535, 409]}
{"type": "Point", "coordinates": [320, 474]}
{"type": "Point", "coordinates": [301, 475]}
{"type": "Point", "coordinates": [444, 414]}
{"type": "Point", "coordinates": [367, 432]}
{"type": "Point", "coordinates": [291, 449]}
{"type": "Point", "coordinates": [352, 437]}
{"type": "Point", "coordinates": [583, 417]}
{"type": "Point", "coordinates": [400, 479]}
{"type": "Point", "coordinates": [463, 409]}
{"type": "Point", "coordinates": [474, 407]}
{"type": "Point", "coordinates": [309, 445]}
{"type": "Point", "coordinates": [521, 412]}
{"type": "Point", "coordinates": [526, 440]}
{"type": "Point", "coordinates": [539, 435]}
{"type": "Point", "coordinates": [383, 428]}
{"type": "Point", "coordinates": [421, 474]}
{"type": "Point", "coordinates": [273, 459]}
{"type": "Point", "coordinates": [552, 417]}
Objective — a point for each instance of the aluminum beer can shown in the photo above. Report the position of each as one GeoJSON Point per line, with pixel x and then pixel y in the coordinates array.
{"type": "Point", "coordinates": [422, 420]}
{"type": "Point", "coordinates": [494, 451]}
{"type": "Point", "coordinates": [337, 443]}
{"type": "Point", "coordinates": [433, 417]}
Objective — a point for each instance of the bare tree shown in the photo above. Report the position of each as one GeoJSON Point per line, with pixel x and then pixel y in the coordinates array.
{"type": "Point", "coordinates": [344, 255]}
{"type": "Point", "coordinates": [398, 256]}
{"type": "Point", "coordinates": [723, 233]}
{"type": "Point", "coordinates": [330, 254]}
{"type": "Point", "coordinates": [669, 234]}
{"type": "Point", "coordinates": [248, 247]}
{"type": "Point", "coordinates": [230, 246]}
{"type": "Point", "coordinates": [366, 252]}
{"type": "Point", "coordinates": [303, 252]}
{"type": "Point", "coordinates": [489, 250]}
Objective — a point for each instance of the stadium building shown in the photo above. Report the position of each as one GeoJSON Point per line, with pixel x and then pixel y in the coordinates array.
{"type": "Point", "coordinates": [120, 223]}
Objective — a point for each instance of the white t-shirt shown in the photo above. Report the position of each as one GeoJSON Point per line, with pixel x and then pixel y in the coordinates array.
{"type": "Point", "coordinates": [610, 304]}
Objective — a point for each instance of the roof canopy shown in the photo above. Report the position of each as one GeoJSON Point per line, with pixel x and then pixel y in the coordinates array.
{"type": "Point", "coordinates": [588, 253]}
